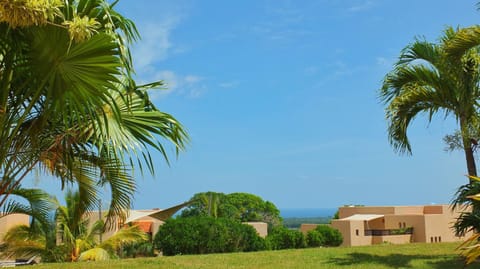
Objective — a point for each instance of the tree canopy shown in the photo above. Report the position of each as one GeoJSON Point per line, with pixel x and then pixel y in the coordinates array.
{"type": "Point", "coordinates": [240, 206]}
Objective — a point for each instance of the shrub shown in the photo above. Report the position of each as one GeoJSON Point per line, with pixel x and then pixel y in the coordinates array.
{"type": "Point", "coordinates": [332, 237]}
{"type": "Point", "coordinates": [134, 250]}
{"type": "Point", "coordinates": [283, 238]}
{"type": "Point", "coordinates": [201, 235]}
{"type": "Point", "coordinates": [315, 239]}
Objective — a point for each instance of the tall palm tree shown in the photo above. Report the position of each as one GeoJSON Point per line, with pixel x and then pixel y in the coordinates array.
{"type": "Point", "coordinates": [433, 78]}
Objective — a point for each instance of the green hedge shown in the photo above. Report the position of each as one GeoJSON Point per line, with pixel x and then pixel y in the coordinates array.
{"type": "Point", "coordinates": [324, 235]}
{"type": "Point", "coordinates": [201, 235]}
{"type": "Point", "coordinates": [283, 238]}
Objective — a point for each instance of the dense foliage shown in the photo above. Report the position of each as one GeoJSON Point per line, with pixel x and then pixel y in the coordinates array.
{"type": "Point", "coordinates": [283, 238]}
{"type": "Point", "coordinates": [201, 235]}
{"type": "Point", "coordinates": [239, 206]}
{"type": "Point", "coordinates": [324, 235]}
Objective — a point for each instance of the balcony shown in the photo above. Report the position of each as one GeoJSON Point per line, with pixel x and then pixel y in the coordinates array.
{"type": "Point", "coordinates": [389, 232]}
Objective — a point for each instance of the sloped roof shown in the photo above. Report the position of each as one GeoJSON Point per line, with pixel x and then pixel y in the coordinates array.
{"type": "Point", "coordinates": [363, 217]}
{"type": "Point", "coordinates": [160, 214]}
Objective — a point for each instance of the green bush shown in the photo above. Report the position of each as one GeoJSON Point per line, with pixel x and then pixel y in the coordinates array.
{"type": "Point", "coordinates": [332, 237]}
{"type": "Point", "coordinates": [283, 238]}
{"type": "Point", "coordinates": [134, 250]}
{"type": "Point", "coordinates": [315, 239]}
{"type": "Point", "coordinates": [201, 235]}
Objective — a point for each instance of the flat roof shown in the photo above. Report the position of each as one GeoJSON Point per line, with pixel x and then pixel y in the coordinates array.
{"type": "Point", "coordinates": [363, 217]}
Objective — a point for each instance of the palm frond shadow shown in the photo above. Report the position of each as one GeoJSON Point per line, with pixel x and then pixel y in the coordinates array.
{"type": "Point", "coordinates": [396, 260]}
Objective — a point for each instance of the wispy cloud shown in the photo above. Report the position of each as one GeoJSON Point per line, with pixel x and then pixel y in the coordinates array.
{"type": "Point", "coordinates": [283, 20]}
{"type": "Point", "coordinates": [191, 86]}
{"type": "Point", "coordinates": [362, 6]}
{"type": "Point", "coordinates": [155, 45]}
{"type": "Point", "coordinates": [229, 84]}
{"type": "Point", "coordinates": [385, 62]}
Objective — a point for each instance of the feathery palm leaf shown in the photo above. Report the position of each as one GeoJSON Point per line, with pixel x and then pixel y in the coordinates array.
{"type": "Point", "coordinates": [428, 79]}
{"type": "Point", "coordinates": [19, 241]}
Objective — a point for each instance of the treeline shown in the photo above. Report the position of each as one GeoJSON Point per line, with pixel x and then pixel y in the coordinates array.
{"type": "Point", "coordinates": [294, 223]}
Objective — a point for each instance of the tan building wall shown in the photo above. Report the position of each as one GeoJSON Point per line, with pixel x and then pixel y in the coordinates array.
{"type": "Point", "coordinates": [353, 232]}
{"type": "Point", "coordinates": [9, 221]}
{"type": "Point", "coordinates": [306, 227]}
{"type": "Point", "coordinates": [260, 227]}
{"type": "Point", "coordinates": [430, 223]}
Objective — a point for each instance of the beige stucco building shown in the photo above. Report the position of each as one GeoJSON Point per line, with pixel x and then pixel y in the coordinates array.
{"type": "Point", "coordinates": [9, 221]}
{"type": "Point", "coordinates": [366, 225]}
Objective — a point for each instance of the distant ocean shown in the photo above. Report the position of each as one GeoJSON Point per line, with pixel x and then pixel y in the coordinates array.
{"type": "Point", "coordinates": [307, 212]}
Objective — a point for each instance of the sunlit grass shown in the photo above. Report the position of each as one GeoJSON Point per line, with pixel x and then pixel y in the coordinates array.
{"type": "Point", "coordinates": [434, 256]}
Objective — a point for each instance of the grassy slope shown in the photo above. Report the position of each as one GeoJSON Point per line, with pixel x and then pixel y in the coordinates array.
{"type": "Point", "coordinates": [432, 256]}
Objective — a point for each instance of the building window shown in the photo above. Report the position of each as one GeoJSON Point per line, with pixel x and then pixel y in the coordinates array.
{"type": "Point", "coordinates": [400, 225]}
{"type": "Point", "coordinates": [431, 239]}
{"type": "Point", "coordinates": [436, 239]}
{"type": "Point", "coordinates": [439, 239]}
{"type": "Point", "coordinates": [356, 232]}
{"type": "Point", "coordinates": [404, 225]}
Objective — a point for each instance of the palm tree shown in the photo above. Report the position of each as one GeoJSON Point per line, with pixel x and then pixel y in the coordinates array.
{"type": "Point", "coordinates": [433, 78]}
{"type": "Point", "coordinates": [38, 237]}
{"type": "Point", "coordinates": [78, 237]}
{"type": "Point", "coordinates": [68, 103]}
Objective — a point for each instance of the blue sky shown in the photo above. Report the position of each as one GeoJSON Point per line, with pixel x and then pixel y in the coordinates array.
{"type": "Point", "coordinates": [280, 100]}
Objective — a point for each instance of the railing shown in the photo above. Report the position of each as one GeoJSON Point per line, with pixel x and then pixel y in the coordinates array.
{"type": "Point", "coordinates": [389, 232]}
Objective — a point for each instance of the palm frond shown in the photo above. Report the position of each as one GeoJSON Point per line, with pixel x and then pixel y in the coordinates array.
{"type": "Point", "coordinates": [464, 40]}
{"type": "Point", "coordinates": [126, 235]}
{"type": "Point", "coordinates": [19, 241]}
{"type": "Point", "coordinates": [94, 254]}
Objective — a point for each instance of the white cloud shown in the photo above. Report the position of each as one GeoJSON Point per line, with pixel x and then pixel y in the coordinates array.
{"type": "Point", "coordinates": [155, 44]}
{"type": "Point", "coordinates": [187, 85]}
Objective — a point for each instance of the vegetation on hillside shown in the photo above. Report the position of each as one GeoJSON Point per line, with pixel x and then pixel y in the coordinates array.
{"type": "Point", "coordinates": [295, 223]}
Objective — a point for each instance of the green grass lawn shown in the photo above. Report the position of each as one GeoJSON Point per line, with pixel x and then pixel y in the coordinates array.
{"type": "Point", "coordinates": [434, 256]}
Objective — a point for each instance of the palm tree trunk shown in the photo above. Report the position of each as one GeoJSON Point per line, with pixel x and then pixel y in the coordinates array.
{"type": "Point", "coordinates": [471, 166]}
{"type": "Point", "coordinates": [467, 147]}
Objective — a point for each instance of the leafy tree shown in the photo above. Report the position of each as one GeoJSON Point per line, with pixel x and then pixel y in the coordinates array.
{"type": "Point", "coordinates": [239, 206]}
{"type": "Point", "coordinates": [68, 103]}
{"type": "Point", "coordinates": [431, 78]}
